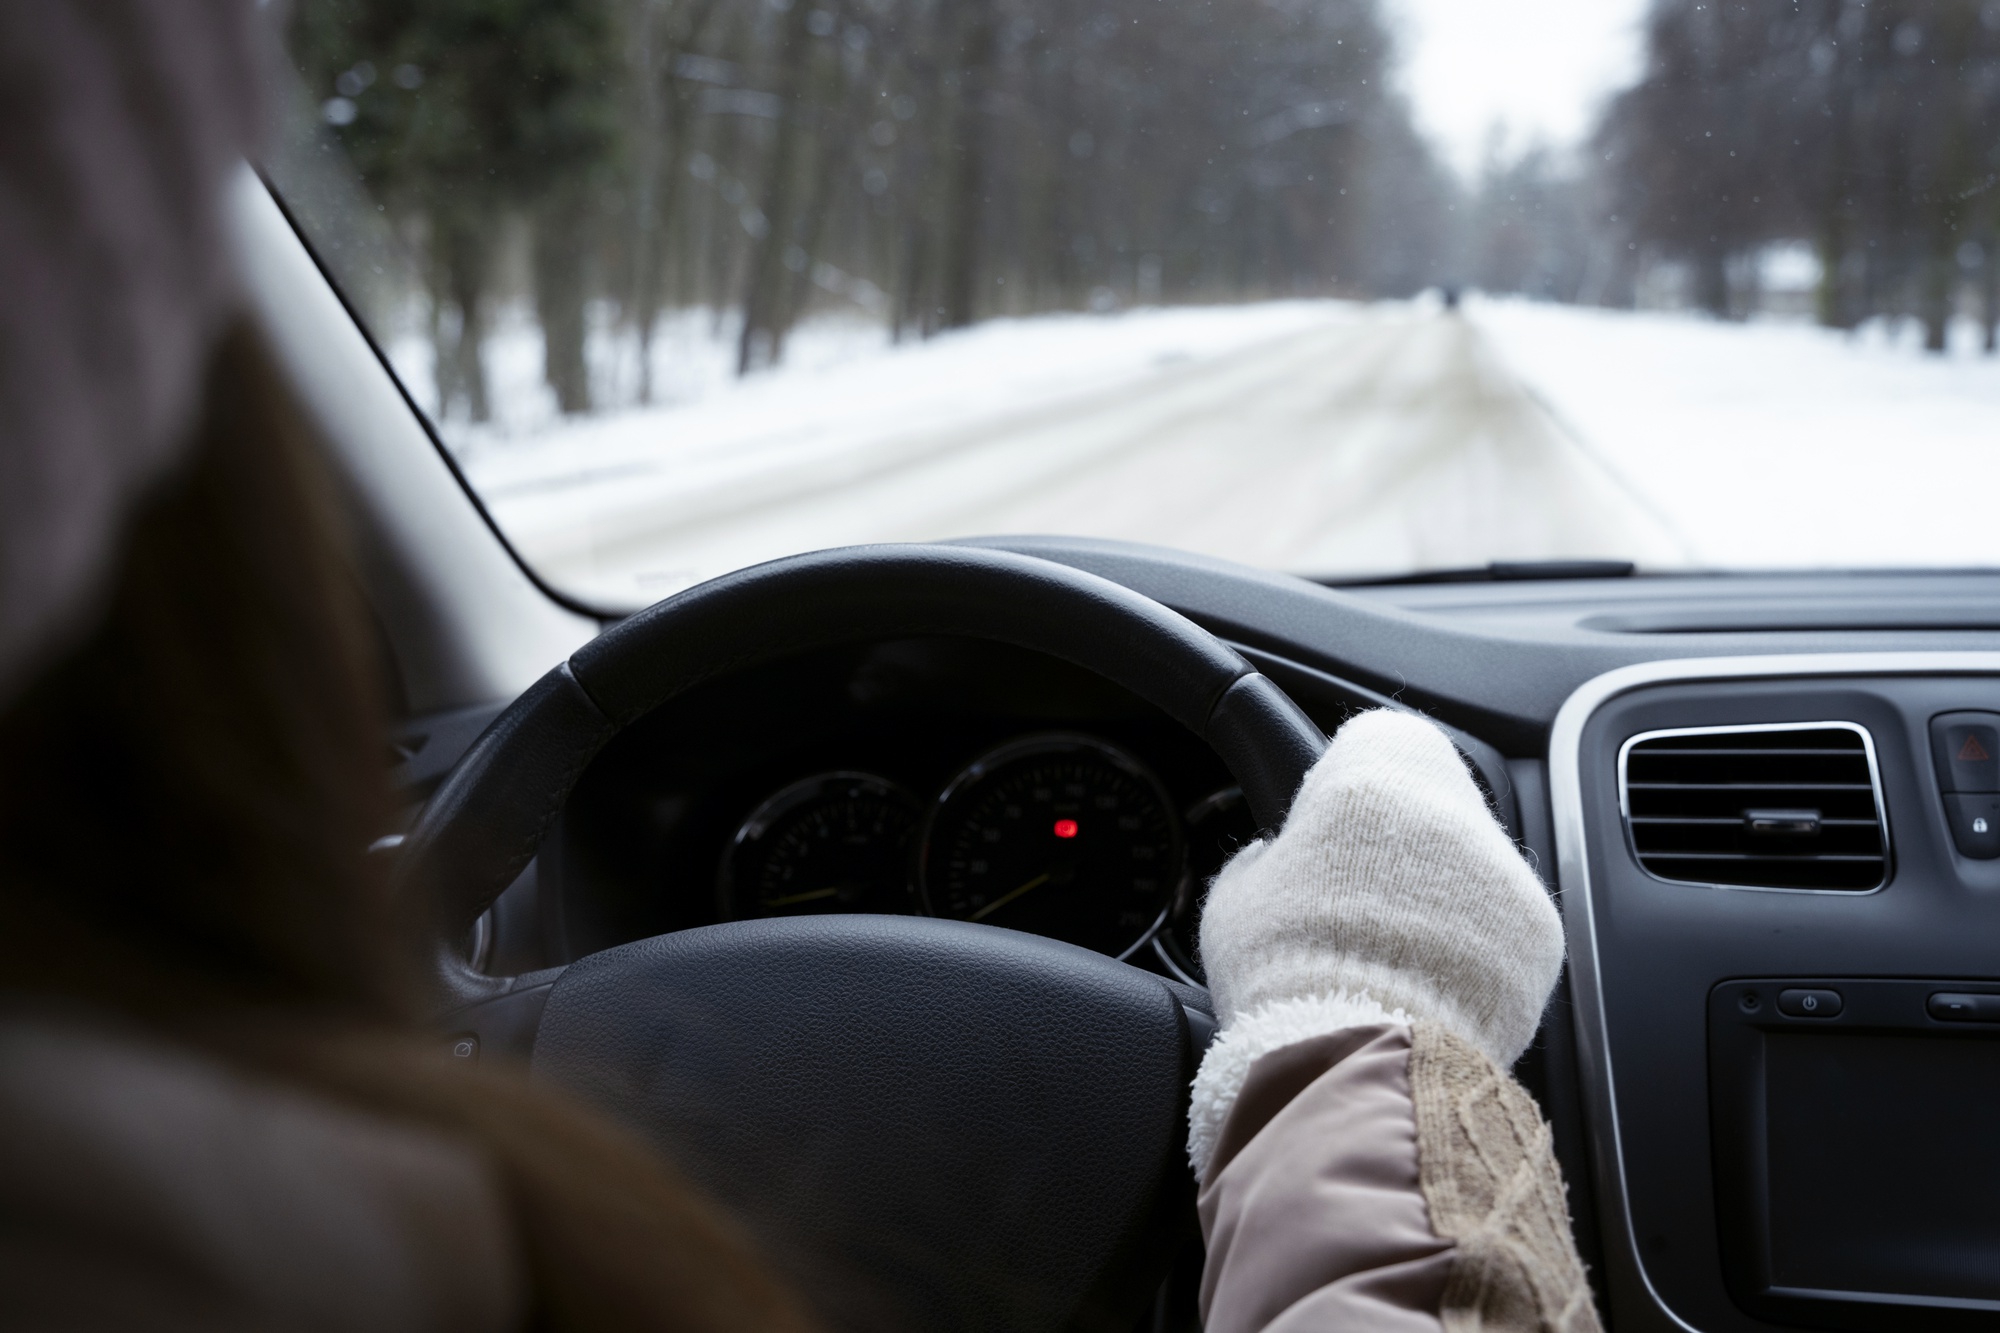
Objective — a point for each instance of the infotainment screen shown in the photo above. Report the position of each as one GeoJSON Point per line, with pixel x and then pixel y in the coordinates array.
{"type": "Point", "coordinates": [1883, 1155]}
{"type": "Point", "coordinates": [1856, 1132]}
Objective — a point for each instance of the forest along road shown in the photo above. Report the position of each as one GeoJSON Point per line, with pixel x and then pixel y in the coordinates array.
{"type": "Point", "coordinates": [1388, 441]}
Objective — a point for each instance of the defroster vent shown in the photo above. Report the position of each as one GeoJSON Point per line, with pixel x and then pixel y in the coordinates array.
{"type": "Point", "coordinates": [1794, 806]}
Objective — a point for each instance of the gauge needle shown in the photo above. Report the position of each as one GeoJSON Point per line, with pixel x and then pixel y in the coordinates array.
{"type": "Point", "coordinates": [795, 899]}
{"type": "Point", "coordinates": [1004, 899]}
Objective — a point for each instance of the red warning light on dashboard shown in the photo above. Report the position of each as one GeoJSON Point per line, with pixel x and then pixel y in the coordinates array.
{"type": "Point", "coordinates": [1065, 828]}
{"type": "Point", "coordinates": [1972, 751]}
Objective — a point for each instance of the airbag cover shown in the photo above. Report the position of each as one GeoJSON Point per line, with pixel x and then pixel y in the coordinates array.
{"type": "Point", "coordinates": [927, 1124]}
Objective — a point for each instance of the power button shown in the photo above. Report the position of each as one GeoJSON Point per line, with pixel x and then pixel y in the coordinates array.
{"type": "Point", "coordinates": [1800, 1003]}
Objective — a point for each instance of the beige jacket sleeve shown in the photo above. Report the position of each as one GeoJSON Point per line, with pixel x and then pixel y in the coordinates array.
{"type": "Point", "coordinates": [1387, 1177]}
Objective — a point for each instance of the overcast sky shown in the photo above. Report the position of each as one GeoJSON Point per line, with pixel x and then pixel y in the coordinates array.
{"type": "Point", "coordinates": [1541, 68]}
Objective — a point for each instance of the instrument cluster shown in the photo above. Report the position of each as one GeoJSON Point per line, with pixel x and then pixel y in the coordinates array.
{"type": "Point", "coordinates": [944, 777]}
{"type": "Point", "coordinates": [1058, 833]}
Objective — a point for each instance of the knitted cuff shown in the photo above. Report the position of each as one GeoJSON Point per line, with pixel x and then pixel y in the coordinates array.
{"type": "Point", "coordinates": [1269, 1028]}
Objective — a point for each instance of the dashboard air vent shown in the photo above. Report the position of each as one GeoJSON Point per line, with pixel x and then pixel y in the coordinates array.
{"type": "Point", "coordinates": [1796, 806]}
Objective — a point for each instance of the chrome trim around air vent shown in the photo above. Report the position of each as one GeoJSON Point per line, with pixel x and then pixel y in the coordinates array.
{"type": "Point", "coordinates": [1626, 1268]}
{"type": "Point", "coordinates": [1881, 820]}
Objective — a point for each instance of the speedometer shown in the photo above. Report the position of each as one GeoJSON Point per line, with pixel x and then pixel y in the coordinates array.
{"type": "Point", "coordinates": [1060, 835]}
{"type": "Point", "coordinates": [836, 842]}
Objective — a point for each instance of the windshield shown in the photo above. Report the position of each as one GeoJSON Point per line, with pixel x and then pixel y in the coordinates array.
{"type": "Point", "coordinates": [1333, 287]}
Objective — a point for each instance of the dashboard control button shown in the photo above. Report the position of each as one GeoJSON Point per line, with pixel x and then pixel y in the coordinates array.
{"type": "Point", "coordinates": [1808, 1003]}
{"type": "Point", "coordinates": [1959, 1007]}
{"type": "Point", "coordinates": [1975, 824]}
{"type": "Point", "coordinates": [1966, 747]}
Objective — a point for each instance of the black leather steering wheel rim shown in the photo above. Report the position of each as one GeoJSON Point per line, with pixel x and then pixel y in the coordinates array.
{"type": "Point", "coordinates": [487, 820]}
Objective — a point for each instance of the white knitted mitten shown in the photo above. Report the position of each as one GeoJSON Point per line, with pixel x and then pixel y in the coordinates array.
{"type": "Point", "coordinates": [1391, 895]}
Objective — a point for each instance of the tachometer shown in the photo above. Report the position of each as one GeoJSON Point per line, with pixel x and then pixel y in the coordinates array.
{"type": "Point", "coordinates": [1060, 835]}
{"type": "Point", "coordinates": [835, 842]}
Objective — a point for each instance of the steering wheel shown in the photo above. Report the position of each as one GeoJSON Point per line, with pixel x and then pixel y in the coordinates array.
{"type": "Point", "coordinates": [928, 1124]}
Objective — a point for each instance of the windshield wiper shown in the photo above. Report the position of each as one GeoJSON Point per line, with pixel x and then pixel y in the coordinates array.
{"type": "Point", "coordinates": [1499, 571]}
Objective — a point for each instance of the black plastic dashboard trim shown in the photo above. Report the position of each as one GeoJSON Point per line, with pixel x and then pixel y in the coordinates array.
{"type": "Point", "coordinates": [1636, 1302]}
{"type": "Point", "coordinates": [1471, 656]}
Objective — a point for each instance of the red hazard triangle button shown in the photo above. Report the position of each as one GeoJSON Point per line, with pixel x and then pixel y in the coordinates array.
{"type": "Point", "coordinates": [1967, 748]}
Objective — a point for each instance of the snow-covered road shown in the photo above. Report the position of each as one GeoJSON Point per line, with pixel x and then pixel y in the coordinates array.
{"type": "Point", "coordinates": [1317, 437]}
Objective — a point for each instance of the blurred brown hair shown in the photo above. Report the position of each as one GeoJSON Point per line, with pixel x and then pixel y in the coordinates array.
{"type": "Point", "coordinates": [187, 794]}
{"type": "Point", "coordinates": [185, 800]}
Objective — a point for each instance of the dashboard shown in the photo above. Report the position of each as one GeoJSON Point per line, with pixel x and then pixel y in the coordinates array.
{"type": "Point", "coordinates": [1769, 808]}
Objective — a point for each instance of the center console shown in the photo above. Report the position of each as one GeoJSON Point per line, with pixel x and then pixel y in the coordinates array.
{"type": "Point", "coordinates": [1781, 882]}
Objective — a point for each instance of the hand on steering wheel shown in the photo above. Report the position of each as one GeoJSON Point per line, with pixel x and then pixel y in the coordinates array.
{"type": "Point", "coordinates": [1392, 894]}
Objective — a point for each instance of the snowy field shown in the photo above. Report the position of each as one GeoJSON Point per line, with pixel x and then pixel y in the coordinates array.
{"type": "Point", "coordinates": [1321, 437]}
{"type": "Point", "coordinates": [1776, 444]}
